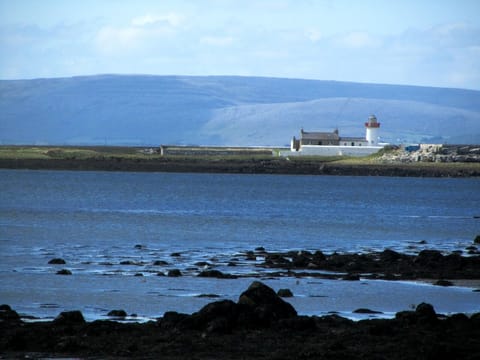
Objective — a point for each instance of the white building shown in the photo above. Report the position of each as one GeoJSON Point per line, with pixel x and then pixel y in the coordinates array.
{"type": "Point", "coordinates": [331, 144]}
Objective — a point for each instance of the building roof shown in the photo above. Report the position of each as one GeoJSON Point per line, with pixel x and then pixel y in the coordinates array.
{"type": "Point", "coordinates": [319, 135]}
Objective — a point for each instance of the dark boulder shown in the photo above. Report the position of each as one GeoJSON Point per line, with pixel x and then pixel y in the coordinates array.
{"type": "Point", "coordinates": [459, 320]}
{"type": "Point", "coordinates": [318, 257]}
{"type": "Point", "coordinates": [69, 318]}
{"type": "Point", "coordinates": [203, 263]}
{"type": "Point", "coordinates": [477, 239]}
{"type": "Point", "coordinates": [218, 316]}
{"type": "Point", "coordinates": [426, 313]}
{"type": "Point", "coordinates": [7, 314]}
{"type": "Point", "coordinates": [128, 262]}
{"type": "Point", "coordinates": [284, 293]}
{"type": "Point", "coordinates": [390, 255]}
{"type": "Point", "coordinates": [175, 254]}
{"type": "Point", "coordinates": [443, 283]}
{"type": "Point", "coordinates": [160, 263]}
{"type": "Point", "coordinates": [174, 273]}
{"type": "Point", "coordinates": [64, 272]}
{"type": "Point", "coordinates": [57, 261]}
{"type": "Point", "coordinates": [208, 296]}
{"type": "Point", "coordinates": [428, 257]}
{"type": "Point", "coordinates": [266, 304]}
{"type": "Point", "coordinates": [216, 274]}
{"type": "Point", "coordinates": [366, 311]}
{"type": "Point", "coordinates": [117, 313]}
{"type": "Point", "coordinates": [301, 259]}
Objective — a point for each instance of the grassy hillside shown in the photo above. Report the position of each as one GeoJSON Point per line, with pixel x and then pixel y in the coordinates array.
{"type": "Point", "coordinates": [140, 110]}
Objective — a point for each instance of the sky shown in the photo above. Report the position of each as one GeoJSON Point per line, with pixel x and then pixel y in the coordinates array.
{"type": "Point", "coordinates": [412, 42]}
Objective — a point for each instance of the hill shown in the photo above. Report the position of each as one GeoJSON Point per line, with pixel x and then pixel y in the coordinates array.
{"type": "Point", "coordinates": [226, 110]}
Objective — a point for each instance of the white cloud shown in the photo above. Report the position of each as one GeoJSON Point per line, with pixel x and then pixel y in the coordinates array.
{"type": "Point", "coordinates": [142, 33]}
{"type": "Point", "coordinates": [216, 40]}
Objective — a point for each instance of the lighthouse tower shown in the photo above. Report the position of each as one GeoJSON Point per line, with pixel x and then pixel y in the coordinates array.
{"type": "Point", "coordinates": [372, 127]}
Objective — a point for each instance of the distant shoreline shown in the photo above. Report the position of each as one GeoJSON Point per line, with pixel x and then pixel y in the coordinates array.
{"type": "Point", "coordinates": [132, 159]}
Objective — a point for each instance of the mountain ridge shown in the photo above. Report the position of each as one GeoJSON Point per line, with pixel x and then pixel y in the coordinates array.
{"type": "Point", "coordinates": [225, 110]}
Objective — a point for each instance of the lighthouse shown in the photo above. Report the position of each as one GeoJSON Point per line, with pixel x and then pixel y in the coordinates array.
{"type": "Point", "coordinates": [372, 127]}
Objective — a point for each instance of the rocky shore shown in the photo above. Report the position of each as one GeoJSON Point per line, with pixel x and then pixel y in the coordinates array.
{"type": "Point", "coordinates": [248, 166]}
{"type": "Point", "coordinates": [386, 265]}
{"type": "Point", "coordinates": [260, 325]}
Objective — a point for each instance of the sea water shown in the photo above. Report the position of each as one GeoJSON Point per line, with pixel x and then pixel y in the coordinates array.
{"type": "Point", "coordinates": [110, 228]}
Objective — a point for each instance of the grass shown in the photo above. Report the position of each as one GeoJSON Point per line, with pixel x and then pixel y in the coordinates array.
{"type": "Point", "coordinates": [71, 153]}
{"type": "Point", "coordinates": [133, 153]}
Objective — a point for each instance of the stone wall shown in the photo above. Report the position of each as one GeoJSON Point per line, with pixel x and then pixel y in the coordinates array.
{"type": "Point", "coordinates": [435, 153]}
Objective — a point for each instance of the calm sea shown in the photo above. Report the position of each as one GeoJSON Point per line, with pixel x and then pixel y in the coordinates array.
{"type": "Point", "coordinates": [111, 226]}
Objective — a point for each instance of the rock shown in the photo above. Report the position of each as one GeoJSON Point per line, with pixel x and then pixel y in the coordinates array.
{"type": "Point", "coordinates": [284, 293]}
{"type": "Point", "coordinates": [70, 318]}
{"type": "Point", "coordinates": [298, 323]}
{"type": "Point", "coordinates": [216, 274]}
{"type": "Point", "coordinates": [140, 247]}
{"type": "Point", "coordinates": [117, 313]}
{"type": "Point", "coordinates": [260, 249]}
{"type": "Point", "coordinates": [459, 320]}
{"type": "Point", "coordinates": [301, 259]}
{"type": "Point", "coordinates": [138, 274]}
{"type": "Point", "coordinates": [218, 316]}
{"type": "Point", "coordinates": [128, 262]}
{"type": "Point", "coordinates": [57, 261]}
{"type": "Point", "coordinates": [175, 254]}
{"type": "Point", "coordinates": [428, 257]}
{"type": "Point", "coordinates": [277, 260]}
{"type": "Point", "coordinates": [366, 311]}
{"type": "Point", "coordinates": [160, 263]}
{"type": "Point", "coordinates": [266, 303]}
{"type": "Point", "coordinates": [5, 307]}
{"type": "Point", "coordinates": [208, 296]}
{"type": "Point", "coordinates": [203, 263]}
{"type": "Point", "coordinates": [174, 317]}
{"type": "Point", "coordinates": [389, 255]}
{"type": "Point", "coordinates": [64, 272]}
{"type": "Point", "coordinates": [174, 273]}
{"type": "Point", "coordinates": [477, 239]}
{"type": "Point", "coordinates": [318, 257]}
{"type": "Point", "coordinates": [7, 314]}
{"type": "Point", "coordinates": [426, 312]}
{"type": "Point", "coordinates": [443, 283]}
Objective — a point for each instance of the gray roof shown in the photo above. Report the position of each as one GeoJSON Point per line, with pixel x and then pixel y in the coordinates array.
{"type": "Point", "coordinates": [319, 135]}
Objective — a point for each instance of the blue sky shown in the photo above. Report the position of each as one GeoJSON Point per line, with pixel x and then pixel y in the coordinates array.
{"type": "Point", "coordinates": [419, 42]}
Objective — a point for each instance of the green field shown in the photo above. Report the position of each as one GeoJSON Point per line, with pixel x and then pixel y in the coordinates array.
{"type": "Point", "coordinates": [217, 159]}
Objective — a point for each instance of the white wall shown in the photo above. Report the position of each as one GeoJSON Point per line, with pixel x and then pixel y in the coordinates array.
{"type": "Point", "coordinates": [316, 150]}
